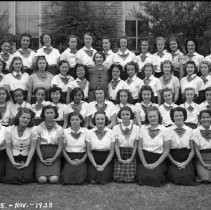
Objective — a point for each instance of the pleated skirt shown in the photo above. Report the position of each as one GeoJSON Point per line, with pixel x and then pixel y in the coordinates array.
{"type": "Point", "coordinates": [125, 172]}
{"type": "Point", "coordinates": [184, 176]}
{"type": "Point", "coordinates": [3, 156]}
{"type": "Point", "coordinates": [48, 151]}
{"type": "Point", "coordinates": [19, 176]}
{"type": "Point", "coordinates": [204, 174]}
{"type": "Point", "coordinates": [74, 174]}
{"type": "Point", "coordinates": [104, 176]}
{"type": "Point", "coordinates": [152, 177]}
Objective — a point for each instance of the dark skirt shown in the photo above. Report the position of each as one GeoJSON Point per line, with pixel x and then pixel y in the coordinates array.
{"type": "Point", "coordinates": [153, 177]}
{"type": "Point", "coordinates": [19, 176]}
{"type": "Point", "coordinates": [178, 176]}
{"type": "Point", "coordinates": [3, 156]}
{"type": "Point", "coordinates": [191, 125]}
{"type": "Point", "coordinates": [100, 176]}
{"type": "Point", "coordinates": [125, 172]}
{"type": "Point", "coordinates": [204, 174]}
{"type": "Point", "coordinates": [48, 151]}
{"type": "Point", "coordinates": [74, 174]}
{"type": "Point", "coordinates": [37, 121]}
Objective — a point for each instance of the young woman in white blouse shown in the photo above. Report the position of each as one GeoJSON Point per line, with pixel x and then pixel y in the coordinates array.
{"type": "Point", "coordinates": [116, 82]}
{"type": "Point", "coordinates": [85, 55]}
{"type": "Point", "coordinates": [49, 147]}
{"type": "Point", "coordinates": [127, 136]}
{"type": "Point", "coordinates": [153, 149]}
{"type": "Point", "coordinates": [74, 151]}
{"type": "Point", "coordinates": [2, 152]}
{"type": "Point", "coordinates": [207, 103]}
{"type": "Point", "coordinates": [181, 169]}
{"type": "Point", "coordinates": [146, 97]}
{"type": "Point", "coordinates": [21, 140]}
{"type": "Point", "coordinates": [100, 148]}
{"type": "Point", "coordinates": [25, 53]}
{"type": "Point", "coordinates": [202, 144]}
{"type": "Point", "coordinates": [52, 54]}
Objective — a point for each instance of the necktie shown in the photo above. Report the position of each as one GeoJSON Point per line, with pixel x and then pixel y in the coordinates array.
{"type": "Point", "coordinates": [100, 134]}
{"type": "Point", "coordinates": [82, 84]}
{"type": "Point", "coordinates": [73, 51]}
{"type": "Point", "coordinates": [64, 79]}
{"type": "Point", "coordinates": [77, 107]}
{"type": "Point", "coordinates": [206, 134]}
{"type": "Point", "coordinates": [24, 53]}
{"type": "Point", "coordinates": [38, 106]}
{"type": "Point", "coordinates": [101, 108]}
{"type": "Point", "coordinates": [89, 52]}
{"type": "Point", "coordinates": [190, 78]}
{"type": "Point", "coordinates": [180, 131]}
{"type": "Point", "coordinates": [160, 54]}
{"type": "Point", "coordinates": [114, 84]}
{"type": "Point", "coordinates": [123, 55]}
{"type": "Point", "coordinates": [153, 133]}
{"type": "Point", "coordinates": [145, 108]}
{"type": "Point", "coordinates": [190, 108]}
{"type": "Point", "coordinates": [17, 76]}
{"type": "Point", "coordinates": [190, 56]}
{"type": "Point", "coordinates": [147, 81]}
{"type": "Point", "coordinates": [204, 79]}
{"type": "Point", "coordinates": [47, 50]}
{"type": "Point", "coordinates": [143, 57]}
{"type": "Point", "coordinates": [75, 135]}
{"type": "Point", "coordinates": [168, 108]}
{"type": "Point", "coordinates": [129, 81]}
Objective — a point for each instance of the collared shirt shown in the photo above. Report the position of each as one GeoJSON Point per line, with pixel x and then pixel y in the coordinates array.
{"type": "Point", "coordinates": [199, 140]}
{"type": "Point", "coordinates": [156, 144]}
{"type": "Point", "coordinates": [166, 114]}
{"type": "Point", "coordinates": [197, 83]}
{"type": "Point", "coordinates": [135, 86]}
{"type": "Point", "coordinates": [155, 84]}
{"type": "Point", "coordinates": [108, 61]}
{"type": "Point", "coordinates": [110, 111]}
{"type": "Point", "coordinates": [5, 118]}
{"type": "Point", "coordinates": [178, 142]}
{"type": "Point", "coordinates": [148, 59]}
{"type": "Point", "coordinates": [103, 144]}
{"type": "Point", "coordinates": [208, 58]}
{"type": "Point", "coordinates": [178, 59]}
{"type": "Point", "coordinates": [14, 83]}
{"type": "Point", "coordinates": [208, 83]}
{"type": "Point", "coordinates": [123, 61]}
{"type": "Point", "coordinates": [52, 57]}
{"type": "Point", "coordinates": [8, 61]}
{"type": "Point", "coordinates": [27, 61]}
{"type": "Point", "coordinates": [14, 108]}
{"type": "Point", "coordinates": [2, 82]}
{"type": "Point", "coordinates": [121, 85]}
{"type": "Point", "coordinates": [192, 116]}
{"type": "Point", "coordinates": [73, 84]}
{"type": "Point", "coordinates": [85, 59]}
{"type": "Point", "coordinates": [141, 112]}
{"type": "Point", "coordinates": [61, 110]}
{"type": "Point", "coordinates": [121, 138]}
{"type": "Point", "coordinates": [75, 145]}
{"type": "Point", "coordinates": [20, 145]}
{"type": "Point", "coordinates": [38, 112]}
{"type": "Point", "coordinates": [68, 56]}
{"type": "Point", "coordinates": [49, 136]}
{"type": "Point", "coordinates": [203, 106]}
{"type": "Point", "coordinates": [197, 58]}
{"type": "Point", "coordinates": [56, 80]}
{"type": "Point", "coordinates": [157, 60]}
{"type": "Point", "coordinates": [2, 137]}
{"type": "Point", "coordinates": [83, 112]}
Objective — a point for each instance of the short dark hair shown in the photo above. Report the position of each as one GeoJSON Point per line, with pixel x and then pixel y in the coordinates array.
{"type": "Point", "coordinates": [110, 40]}
{"type": "Point", "coordinates": [115, 65]}
{"type": "Point", "coordinates": [143, 39]}
{"type": "Point", "coordinates": [146, 65]}
{"type": "Point", "coordinates": [145, 88]}
{"type": "Point", "coordinates": [101, 53]}
{"type": "Point", "coordinates": [75, 114]}
{"type": "Point", "coordinates": [100, 112]}
{"type": "Point", "coordinates": [190, 62]}
{"type": "Point", "coordinates": [100, 87]}
{"type": "Point", "coordinates": [42, 115]}
{"type": "Point", "coordinates": [74, 91]}
{"type": "Point", "coordinates": [190, 88]}
{"type": "Point", "coordinates": [26, 35]}
{"type": "Point", "coordinates": [192, 40]}
{"type": "Point", "coordinates": [178, 109]}
{"type": "Point", "coordinates": [126, 108]}
{"type": "Point", "coordinates": [40, 57]}
{"type": "Point", "coordinates": [3, 64]}
{"type": "Point", "coordinates": [132, 63]}
{"type": "Point", "coordinates": [85, 68]}
{"type": "Point", "coordinates": [207, 63]}
{"type": "Point", "coordinates": [203, 111]}
{"type": "Point", "coordinates": [20, 112]}
{"type": "Point", "coordinates": [167, 62]}
{"type": "Point", "coordinates": [207, 89]}
{"type": "Point", "coordinates": [174, 38]}
{"type": "Point", "coordinates": [166, 90]}
{"type": "Point", "coordinates": [60, 63]}
{"type": "Point", "coordinates": [153, 108]}
{"type": "Point", "coordinates": [41, 38]}
{"type": "Point", "coordinates": [129, 96]}
{"type": "Point", "coordinates": [71, 36]}
{"type": "Point", "coordinates": [7, 93]}
{"type": "Point", "coordinates": [122, 37]}
{"type": "Point", "coordinates": [18, 89]}
{"type": "Point", "coordinates": [53, 89]}
{"type": "Point", "coordinates": [40, 88]}
{"type": "Point", "coordinates": [89, 34]}
{"type": "Point", "coordinates": [12, 62]}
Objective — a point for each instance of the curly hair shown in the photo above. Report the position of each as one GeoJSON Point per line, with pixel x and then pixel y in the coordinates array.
{"type": "Point", "coordinates": [75, 114]}
{"type": "Point", "coordinates": [190, 62]}
{"type": "Point", "coordinates": [26, 35]}
{"type": "Point", "coordinates": [132, 63]}
{"type": "Point", "coordinates": [167, 62]}
{"type": "Point", "coordinates": [7, 93]}
{"type": "Point", "coordinates": [166, 90]}
{"type": "Point", "coordinates": [40, 57]}
{"type": "Point", "coordinates": [146, 88]}
{"type": "Point", "coordinates": [42, 115]}
{"type": "Point", "coordinates": [203, 111]}
{"type": "Point", "coordinates": [101, 53]}
{"type": "Point", "coordinates": [153, 108]}
{"type": "Point", "coordinates": [100, 112]}
{"type": "Point", "coordinates": [178, 109]}
{"type": "Point", "coordinates": [129, 96]}
{"type": "Point", "coordinates": [115, 65]}
{"type": "Point", "coordinates": [126, 108]}
{"type": "Point", "coordinates": [16, 58]}
{"type": "Point", "coordinates": [74, 91]}
{"type": "Point", "coordinates": [42, 36]}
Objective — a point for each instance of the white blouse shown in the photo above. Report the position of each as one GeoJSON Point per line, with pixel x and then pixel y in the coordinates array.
{"type": "Point", "coordinates": [20, 144]}
{"type": "Point", "coordinates": [2, 82]}
{"type": "Point", "coordinates": [49, 137]}
{"type": "Point", "coordinates": [155, 84]}
{"type": "Point", "coordinates": [199, 140]}
{"type": "Point", "coordinates": [100, 144]}
{"type": "Point", "coordinates": [38, 112]}
{"type": "Point", "coordinates": [2, 137]}
{"type": "Point", "coordinates": [178, 142]}
{"type": "Point", "coordinates": [61, 110]}
{"type": "Point", "coordinates": [148, 59]}
{"type": "Point", "coordinates": [75, 145]}
{"type": "Point", "coordinates": [14, 83]}
{"type": "Point", "coordinates": [122, 139]}
{"type": "Point", "coordinates": [56, 80]}
{"type": "Point", "coordinates": [5, 118]}
{"type": "Point", "coordinates": [197, 58]}
{"type": "Point", "coordinates": [203, 106]}
{"type": "Point", "coordinates": [68, 56]}
{"type": "Point", "coordinates": [154, 145]}
{"type": "Point", "coordinates": [8, 61]}
{"type": "Point", "coordinates": [208, 83]}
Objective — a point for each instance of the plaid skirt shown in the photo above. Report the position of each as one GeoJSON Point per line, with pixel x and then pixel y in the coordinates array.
{"type": "Point", "coordinates": [3, 156]}
{"type": "Point", "coordinates": [153, 177]}
{"type": "Point", "coordinates": [104, 176]}
{"type": "Point", "coordinates": [178, 176]}
{"type": "Point", "coordinates": [19, 176]}
{"type": "Point", "coordinates": [48, 151]}
{"type": "Point", "coordinates": [125, 172]}
{"type": "Point", "coordinates": [74, 174]}
{"type": "Point", "coordinates": [204, 174]}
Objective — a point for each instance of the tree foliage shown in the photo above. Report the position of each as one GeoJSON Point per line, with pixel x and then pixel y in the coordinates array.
{"type": "Point", "coordinates": [77, 17]}
{"type": "Point", "coordinates": [181, 18]}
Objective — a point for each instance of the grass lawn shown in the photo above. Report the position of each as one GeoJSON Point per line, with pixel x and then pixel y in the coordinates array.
{"type": "Point", "coordinates": [110, 196]}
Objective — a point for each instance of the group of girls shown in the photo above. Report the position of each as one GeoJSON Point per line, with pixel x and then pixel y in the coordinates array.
{"type": "Point", "coordinates": [95, 116]}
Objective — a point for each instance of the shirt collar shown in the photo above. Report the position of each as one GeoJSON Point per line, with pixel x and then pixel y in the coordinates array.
{"type": "Point", "coordinates": [172, 104]}
{"type": "Point", "coordinates": [22, 105]}
{"type": "Point", "coordinates": [150, 103]}
{"type": "Point", "coordinates": [44, 47]}
{"type": "Point", "coordinates": [130, 126]}
{"type": "Point", "coordinates": [117, 79]}
{"type": "Point", "coordinates": [43, 102]}
{"type": "Point", "coordinates": [158, 127]}
{"type": "Point", "coordinates": [105, 129]}
{"type": "Point", "coordinates": [193, 75]}
{"type": "Point", "coordinates": [202, 128]}
{"type": "Point", "coordinates": [187, 104]}
{"type": "Point", "coordinates": [133, 78]}
{"type": "Point", "coordinates": [68, 76]}
{"type": "Point", "coordinates": [78, 80]}
{"type": "Point", "coordinates": [164, 52]}
{"type": "Point", "coordinates": [177, 52]}
{"type": "Point", "coordinates": [69, 130]}
{"type": "Point", "coordinates": [121, 53]}
{"type": "Point", "coordinates": [15, 73]}
{"type": "Point", "coordinates": [109, 52]}
{"type": "Point", "coordinates": [84, 48]}
{"type": "Point", "coordinates": [174, 126]}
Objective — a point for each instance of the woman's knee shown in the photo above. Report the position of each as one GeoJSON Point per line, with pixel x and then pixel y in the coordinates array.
{"type": "Point", "coordinates": [53, 179]}
{"type": "Point", "coordinates": [42, 179]}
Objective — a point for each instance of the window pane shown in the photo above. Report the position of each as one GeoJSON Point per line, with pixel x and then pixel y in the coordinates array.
{"type": "Point", "coordinates": [33, 7]}
{"type": "Point", "coordinates": [33, 25]}
{"type": "Point", "coordinates": [21, 7]}
{"type": "Point", "coordinates": [143, 27]}
{"type": "Point", "coordinates": [21, 24]}
{"type": "Point", "coordinates": [132, 45]}
{"type": "Point", "coordinates": [130, 28]}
